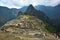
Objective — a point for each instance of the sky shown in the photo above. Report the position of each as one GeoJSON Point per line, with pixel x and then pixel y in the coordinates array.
{"type": "Point", "coordinates": [21, 3]}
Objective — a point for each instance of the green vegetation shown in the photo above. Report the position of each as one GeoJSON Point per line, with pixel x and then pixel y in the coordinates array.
{"type": "Point", "coordinates": [32, 21]}
{"type": "Point", "coordinates": [24, 27]}
{"type": "Point", "coordinates": [50, 28]}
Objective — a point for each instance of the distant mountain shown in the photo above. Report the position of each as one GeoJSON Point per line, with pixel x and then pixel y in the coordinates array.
{"type": "Point", "coordinates": [52, 12]}
{"type": "Point", "coordinates": [56, 11]}
{"type": "Point", "coordinates": [14, 11]}
{"type": "Point", "coordinates": [5, 15]}
{"type": "Point", "coordinates": [46, 9]}
{"type": "Point", "coordinates": [23, 9]}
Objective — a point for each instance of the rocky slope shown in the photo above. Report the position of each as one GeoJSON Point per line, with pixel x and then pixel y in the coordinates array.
{"type": "Point", "coordinates": [26, 22]}
{"type": "Point", "coordinates": [26, 27]}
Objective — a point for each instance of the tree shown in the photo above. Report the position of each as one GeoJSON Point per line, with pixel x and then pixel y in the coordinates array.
{"type": "Point", "coordinates": [20, 13]}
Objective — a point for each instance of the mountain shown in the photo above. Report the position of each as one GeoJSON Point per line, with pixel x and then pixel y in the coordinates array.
{"type": "Point", "coordinates": [14, 11]}
{"type": "Point", "coordinates": [31, 25]}
{"type": "Point", "coordinates": [53, 13]}
{"type": "Point", "coordinates": [43, 16]}
{"type": "Point", "coordinates": [26, 27]}
{"type": "Point", "coordinates": [56, 12]}
{"type": "Point", "coordinates": [46, 9]}
{"type": "Point", "coordinates": [23, 9]}
{"type": "Point", "coordinates": [50, 11]}
{"type": "Point", "coordinates": [37, 13]}
{"type": "Point", "coordinates": [26, 22]}
{"type": "Point", "coordinates": [5, 15]}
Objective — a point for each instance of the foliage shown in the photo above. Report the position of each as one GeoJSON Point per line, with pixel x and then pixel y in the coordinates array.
{"type": "Point", "coordinates": [50, 28]}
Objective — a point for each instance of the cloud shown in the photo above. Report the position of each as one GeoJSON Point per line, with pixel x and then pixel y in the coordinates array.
{"type": "Point", "coordinates": [21, 3]}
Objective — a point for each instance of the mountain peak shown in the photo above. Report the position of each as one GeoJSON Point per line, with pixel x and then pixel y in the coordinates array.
{"type": "Point", "coordinates": [30, 6]}
{"type": "Point", "coordinates": [37, 13]}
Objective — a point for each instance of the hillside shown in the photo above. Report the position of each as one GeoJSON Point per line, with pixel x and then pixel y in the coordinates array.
{"type": "Point", "coordinates": [26, 21]}
{"type": "Point", "coordinates": [26, 27]}
{"type": "Point", "coordinates": [7, 36]}
{"type": "Point", "coordinates": [5, 15]}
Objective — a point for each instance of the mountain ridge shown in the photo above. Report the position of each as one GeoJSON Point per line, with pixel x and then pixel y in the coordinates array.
{"type": "Point", "coordinates": [31, 25]}
{"type": "Point", "coordinates": [5, 15]}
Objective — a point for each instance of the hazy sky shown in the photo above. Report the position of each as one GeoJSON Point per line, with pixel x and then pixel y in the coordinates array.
{"type": "Point", "coordinates": [21, 3]}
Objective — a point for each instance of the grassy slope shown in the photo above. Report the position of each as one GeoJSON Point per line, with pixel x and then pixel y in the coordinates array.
{"type": "Point", "coordinates": [24, 36]}
{"type": "Point", "coordinates": [7, 36]}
